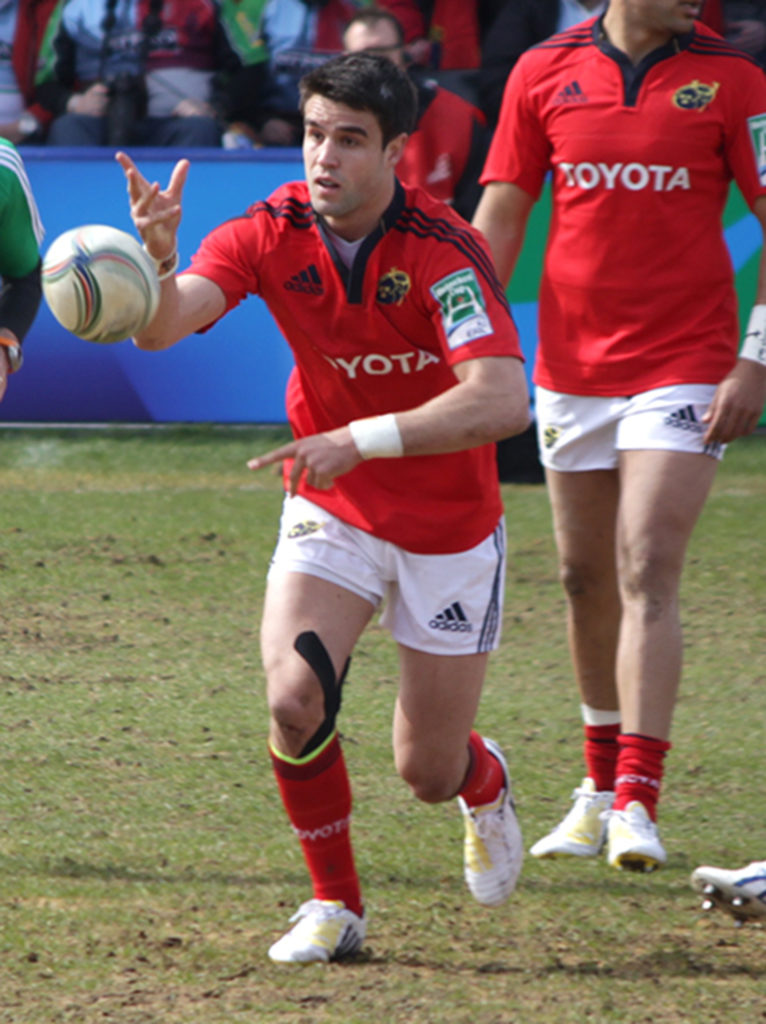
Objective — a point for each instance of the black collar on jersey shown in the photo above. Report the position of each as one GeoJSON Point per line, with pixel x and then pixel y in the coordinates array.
{"type": "Point", "coordinates": [633, 74]}
{"type": "Point", "coordinates": [353, 276]}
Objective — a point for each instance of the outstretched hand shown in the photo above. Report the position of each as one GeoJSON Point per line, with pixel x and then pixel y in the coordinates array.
{"type": "Point", "coordinates": [156, 212]}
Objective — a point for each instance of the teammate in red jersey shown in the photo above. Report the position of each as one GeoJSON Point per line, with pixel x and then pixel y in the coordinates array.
{"type": "Point", "coordinates": [407, 369]}
{"type": "Point", "coordinates": [642, 116]}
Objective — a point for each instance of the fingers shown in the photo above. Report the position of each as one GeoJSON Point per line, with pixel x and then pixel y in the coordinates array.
{"type": "Point", "coordinates": [295, 476]}
{"type": "Point", "coordinates": [314, 478]}
{"type": "Point", "coordinates": [719, 426]}
{"type": "Point", "coordinates": [124, 161]}
{"type": "Point", "coordinates": [178, 180]}
{"type": "Point", "coordinates": [155, 213]}
{"type": "Point", "coordinates": [136, 181]}
{"type": "Point", "coordinates": [287, 451]}
{"type": "Point", "coordinates": [710, 417]}
{"type": "Point", "coordinates": [727, 425]}
{"type": "Point", "coordinates": [321, 481]}
{"type": "Point", "coordinates": [141, 204]}
{"type": "Point", "coordinates": [139, 189]}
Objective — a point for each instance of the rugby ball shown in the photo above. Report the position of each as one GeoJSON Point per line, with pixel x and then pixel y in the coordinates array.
{"type": "Point", "coordinates": [100, 283]}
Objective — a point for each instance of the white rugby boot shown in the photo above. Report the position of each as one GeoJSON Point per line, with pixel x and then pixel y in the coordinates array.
{"type": "Point", "coordinates": [582, 833]}
{"type": "Point", "coordinates": [493, 848]}
{"type": "Point", "coordinates": [325, 930]}
{"type": "Point", "coordinates": [633, 840]}
{"type": "Point", "coordinates": [741, 893]}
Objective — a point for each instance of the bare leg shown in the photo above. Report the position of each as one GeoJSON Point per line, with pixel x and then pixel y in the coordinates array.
{"type": "Point", "coordinates": [662, 495]}
{"type": "Point", "coordinates": [434, 715]}
{"type": "Point", "coordinates": [584, 508]}
{"type": "Point", "coordinates": [433, 722]}
{"type": "Point", "coordinates": [584, 517]}
{"type": "Point", "coordinates": [296, 603]}
{"type": "Point", "coordinates": [306, 753]}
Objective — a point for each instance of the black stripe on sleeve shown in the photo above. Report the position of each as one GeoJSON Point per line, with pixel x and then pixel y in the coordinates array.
{"type": "Point", "coordinates": [417, 222]}
{"type": "Point", "coordinates": [299, 214]}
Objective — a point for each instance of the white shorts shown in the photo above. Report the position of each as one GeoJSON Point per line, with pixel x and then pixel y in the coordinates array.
{"type": "Point", "coordinates": [582, 432]}
{"type": "Point", "coordinates": [440, 604]}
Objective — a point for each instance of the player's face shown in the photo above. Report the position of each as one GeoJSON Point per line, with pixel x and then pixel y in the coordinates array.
{"type": "Point", "coordinates": [350, 174]}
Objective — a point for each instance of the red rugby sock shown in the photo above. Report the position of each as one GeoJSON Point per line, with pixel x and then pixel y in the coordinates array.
{"type": "Point", "coordinates": [316, 794]}
{"type": "Point", "coordinates": [485, 776]}
{"type": "Point", "coordinates": [600, 750]}
{"type": "Point", "coordinates": [639, 771]}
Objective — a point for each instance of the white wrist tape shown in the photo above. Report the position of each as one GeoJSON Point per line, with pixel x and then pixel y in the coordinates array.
{"type": "Point", "coordinates": [377, 437]}
{"type": "Point", "coordinates": [754, 344]}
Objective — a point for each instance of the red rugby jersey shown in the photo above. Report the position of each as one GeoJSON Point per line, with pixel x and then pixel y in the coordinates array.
{"type": "Point", "coordinates": [637, 289]}
{"type": "Point", "coordinates": [379, 337]}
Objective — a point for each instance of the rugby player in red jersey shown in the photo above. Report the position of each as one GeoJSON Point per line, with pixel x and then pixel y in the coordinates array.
{"type": "Point", "coordinates": [407, 370]}
{"type": "Point", "coordinates": [643, 117]}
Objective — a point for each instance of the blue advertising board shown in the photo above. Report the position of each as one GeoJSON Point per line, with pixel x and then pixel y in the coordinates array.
{"type": "Point", "coordinates": [237, 371]}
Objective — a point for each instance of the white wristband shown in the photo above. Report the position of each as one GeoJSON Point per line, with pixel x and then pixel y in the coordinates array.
{"type": "Point", "coordinates": [754, 344]}
{"type": "Point", "coordinates": [167, 267]}
{"type": "Point", "coordinates": [377, 437]}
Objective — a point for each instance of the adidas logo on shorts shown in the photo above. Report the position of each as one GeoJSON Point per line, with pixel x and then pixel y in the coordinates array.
{"type": "Point", "coordinates": [452, 619]}
{"type": "Point", "coordinates": [685, 419]}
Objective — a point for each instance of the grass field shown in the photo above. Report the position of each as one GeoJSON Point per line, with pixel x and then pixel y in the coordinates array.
{"type": "Point", "coordinates": [145, 861]}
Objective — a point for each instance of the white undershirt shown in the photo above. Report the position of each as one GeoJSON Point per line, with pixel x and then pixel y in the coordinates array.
{"type": "Point", "coordinates": [346, 250]}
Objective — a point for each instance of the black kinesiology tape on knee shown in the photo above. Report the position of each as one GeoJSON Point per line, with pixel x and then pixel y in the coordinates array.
{"type": "Point", "coordinates": [314, 652]}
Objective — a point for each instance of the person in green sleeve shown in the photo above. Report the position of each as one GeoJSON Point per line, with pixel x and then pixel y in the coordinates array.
{"type": "Point", "coordinates": [21, 232]}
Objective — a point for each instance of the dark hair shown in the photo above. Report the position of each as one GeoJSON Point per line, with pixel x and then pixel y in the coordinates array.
{"type": "Point", "coordinates": [366, 81]}
{"type": "Point", "coordinates": [372, 16]}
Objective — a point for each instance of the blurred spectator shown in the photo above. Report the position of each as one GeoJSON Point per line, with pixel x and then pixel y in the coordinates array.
{"type": "Point", "coordinates": [445, 153]}
{"type": "Point", "coordinates": [299, 35]}
{"type": "Point", "coordinates": [745, 27]}
{"type": "Point", "coordinates": [445, 34]}
{"type": "Point", "coordinates": [23, 37]}
{"type": "Point", "coordinates": [139, 73]}
{"type": "Point", "coordinates": [243, 23]}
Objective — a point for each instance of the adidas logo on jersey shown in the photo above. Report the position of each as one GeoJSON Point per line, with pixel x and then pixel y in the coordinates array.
{"type": "Point", "coordinates": [571, 93]}
{"type": "Point", "coordinates": [307, 281]}
{"type": "Point", "coordinates": [453, 619]}
{"type": "Point", "coordinates": [685, 419]}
